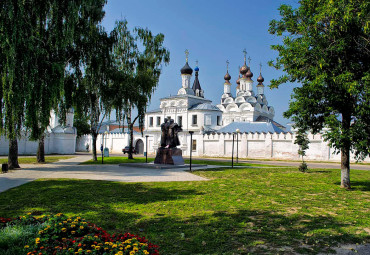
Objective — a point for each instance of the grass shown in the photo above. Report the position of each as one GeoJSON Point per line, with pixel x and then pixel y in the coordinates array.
{"type": "Point", "coordinates": [118, 160]}
{"type": "Point", "coordinates": [238, 211]}
{"type": "Point", "coordinates": [289, 160]}
{"type": "Point", "coordinates": [33, 160]}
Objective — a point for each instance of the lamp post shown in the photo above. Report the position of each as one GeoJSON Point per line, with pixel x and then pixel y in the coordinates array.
{"type": "Point", "coordinates": [237, 144]}
{"type": "Point", "coordinates": [232, 153]}
{"type": "Point", "coordinates": [146, 149]}
{"type": "Point", "coordinates": [191, 145]}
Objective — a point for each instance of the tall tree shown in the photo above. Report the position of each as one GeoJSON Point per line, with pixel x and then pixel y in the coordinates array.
{"type": "Point", "coordinates": [16, 70]}
{"type": "Point", "coordinates": [40, 41]}
{"type": "Point", "coordinates": [138, 62]}
{"type": "Point", "coordinates": [326, 47]}
{"type": "Point", "coordinates": [91, 98]}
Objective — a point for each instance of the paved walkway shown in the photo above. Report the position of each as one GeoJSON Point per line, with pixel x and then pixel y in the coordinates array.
{"type": "Point", "coordinates": [70, 168]}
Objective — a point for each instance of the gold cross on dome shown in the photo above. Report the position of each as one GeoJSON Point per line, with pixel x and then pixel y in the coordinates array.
{"type": "Point", "coordinates": [260, 67]}
{"type": "Point", "coordinates": [245, 55]}
{"type": "Point", "coordinates": [187, 55]}
{"type": "Point", "coordinates": [249, 61]}
{"type": "Point", "coordinates": [227, 65]}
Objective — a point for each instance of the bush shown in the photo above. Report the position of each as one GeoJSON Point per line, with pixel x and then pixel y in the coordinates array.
{"type": "Point", "coordinates": [58, 234]}
{"type": "Point", "coordinates": [303, 167]}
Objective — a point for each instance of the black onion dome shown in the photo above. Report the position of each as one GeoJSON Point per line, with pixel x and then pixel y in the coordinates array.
{"type": "Point", "coordinates": [260, 79]}
{"type": "Point", "coordinates": [227, 76]}
{"type": "Point", "coordinates": [249, 73]}
{"type": "Point", "coordinates": [243, 69]}
{"type": "Point", "coordinates": [186, 69]}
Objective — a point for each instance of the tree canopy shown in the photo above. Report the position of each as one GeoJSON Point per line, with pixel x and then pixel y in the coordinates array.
{"type": "Point", "coordinates": [326, 48]}
{"type": "Point", "coordinates": [138, 58]}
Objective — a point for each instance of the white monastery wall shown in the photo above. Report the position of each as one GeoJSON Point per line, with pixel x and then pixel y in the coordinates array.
{"type": "Point", "coordinates": [54, 144]}
{"type": "Point", "coordinates": [250, 145]}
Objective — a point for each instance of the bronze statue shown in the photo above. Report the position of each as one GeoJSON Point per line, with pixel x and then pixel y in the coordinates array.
{"type": "Point", "coordinates": [170, 130]}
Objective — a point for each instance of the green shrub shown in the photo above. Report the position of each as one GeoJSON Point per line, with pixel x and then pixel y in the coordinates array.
{"type": "Point", "coordinates": [303, 167]}
{"type": "Point", "coordinates": [13, 238]}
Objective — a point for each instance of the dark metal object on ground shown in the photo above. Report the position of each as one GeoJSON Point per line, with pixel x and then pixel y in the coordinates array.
{"type": "Point", "coordinates": [4, 168]}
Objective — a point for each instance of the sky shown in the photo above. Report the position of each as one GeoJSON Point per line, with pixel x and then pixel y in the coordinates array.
{"type": "Point", "coordinates": [213, 32]}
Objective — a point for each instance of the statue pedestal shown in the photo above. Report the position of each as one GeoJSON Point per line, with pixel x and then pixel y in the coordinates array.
{"type": "Point", "coordinates": [170, 156]}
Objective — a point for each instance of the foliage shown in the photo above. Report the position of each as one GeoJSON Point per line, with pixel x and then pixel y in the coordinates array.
{"type": "Point", "coordinates": [326, 47]}
{"type": "Point", "coordinates": [303, 167]}
{"type": "Point", "coordinates": [81, 123]}
{"type": "Point", "coordinates": [138, 58]}
{"type": "Point", "coordinates": [13, 238]}
{"type": "Point", "coordinates": [59, 234]}
{"type": "Point", "coordinates": [305, 213]}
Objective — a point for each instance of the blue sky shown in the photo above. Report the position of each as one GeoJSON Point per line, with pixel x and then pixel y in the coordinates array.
{"type": "Point", "coordinates": [213, 32]}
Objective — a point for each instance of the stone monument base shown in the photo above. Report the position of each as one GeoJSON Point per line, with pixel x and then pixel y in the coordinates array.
{"type": "Point", "coordinates": [169, 156]}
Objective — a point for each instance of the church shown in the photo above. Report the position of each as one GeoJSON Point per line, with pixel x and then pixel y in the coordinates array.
{"type": "Point", "coordinates": [242, 123]}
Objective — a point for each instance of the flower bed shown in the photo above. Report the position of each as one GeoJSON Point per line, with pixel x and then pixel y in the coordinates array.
{"type": "Point", "coordinates": [60, 234]}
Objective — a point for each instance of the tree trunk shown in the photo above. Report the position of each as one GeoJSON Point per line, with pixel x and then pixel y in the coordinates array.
{"type": "Point", "coordinates": [41, 150]}
{"type": "Point", "coordinates": [345, 152]}
{"type": "Point", "coordinates": [13, 154]}
{"type": "Point", "coordinates": [131, 141]}
{"type": "Point", "coordinates": [94, 137]}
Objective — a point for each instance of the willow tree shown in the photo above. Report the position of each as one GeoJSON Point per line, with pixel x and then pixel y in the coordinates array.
{"type": "Point", "coordinates": [40, 40]}
{"type": "Point", "coordinates": [138, 62]}
{"type": "Point", "coordinates": [326, 48]}
{"type": "Point", "coordinates": [90, 97]}
{"type": "Point", "coordinates": [16, 70]}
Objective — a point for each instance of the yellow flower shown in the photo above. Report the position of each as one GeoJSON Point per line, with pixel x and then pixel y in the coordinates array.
{"type": "Point", "coordinates": [73, 232]}
{"type": "Point", "coordinates": [119, 253]}
{"type": "Point", "coordinates": [40, 232]}
{"type": "Point", "coordinates": [64, 229]}
{"type": "Point", "coordinates": [80, 249]}
{"type": "Point", "coordinates": [27, 246]}
{"type": "Point", "coordinates": [29, 213]}
{"type": "Point", "coordinates": [128, 247]}
{"type": "Point", "coordinates": [88, 251]}
{"type": "Point", "coordinates": [132, 252]}
{"type": "Point", "coordinates": [145, 252]}
{"type": "Point", "coordinates": [64, 221]}
{"type": "Point", "coordinates": [135, 249]}
{"type": "Point", "coordinates": [81, 227]}
{"type": "Point", "coordinates": [114, 246]}
{"type": "Point", "coordinates": [97, 247]}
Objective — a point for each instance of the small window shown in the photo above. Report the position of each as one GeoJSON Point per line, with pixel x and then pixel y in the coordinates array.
{"type": "Point", "coordinates": [218, 120]}
{"type": "Point", "coordinates": [194, 145]}
{"type": "Point", "coordinates": [207, 120]}
{"type": "Point", "coordinates": [179, 121]}
{"type": "Point", "coordinates": [158, 121]}
{"type": "Point", "coordinates": [194, 120]}
{"type": "Point", "coordinates": [151, 122]}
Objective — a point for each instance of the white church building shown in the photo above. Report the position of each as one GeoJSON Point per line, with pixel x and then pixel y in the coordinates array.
{"type": "Point", "coordinates": [245, 112]}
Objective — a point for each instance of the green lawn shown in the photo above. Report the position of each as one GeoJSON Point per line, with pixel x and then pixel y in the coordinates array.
{"type": "Point", "coordinates": [256, 210]}
{"type": "Point", "coordinates": [32, 160]}
{"type": "Point", "coordinates": [124, 159]}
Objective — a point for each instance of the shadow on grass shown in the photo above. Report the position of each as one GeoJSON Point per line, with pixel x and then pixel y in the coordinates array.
{"type": "Point", "coordinates": [126, 207]}
{"type": "Point", "coordinates": [358, 185]}
{"type": "Point", "coordinates": [246, 232]}
{"type": "Point", "coordinates": [63, 195]}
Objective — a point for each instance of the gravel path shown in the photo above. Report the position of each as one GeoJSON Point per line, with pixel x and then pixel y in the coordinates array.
{"type": "Point", "coordinates": [70, 168]}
